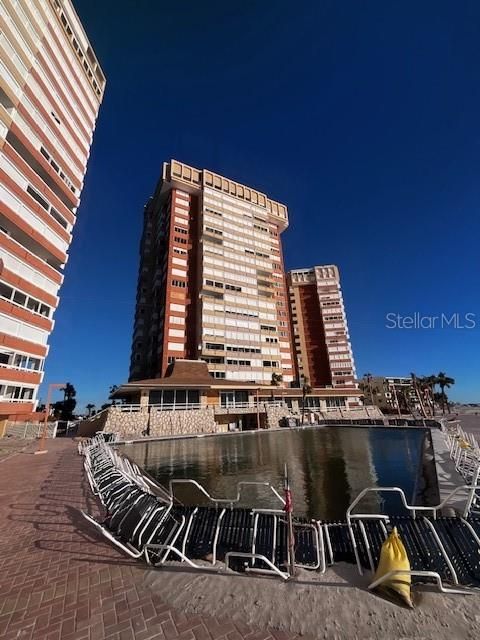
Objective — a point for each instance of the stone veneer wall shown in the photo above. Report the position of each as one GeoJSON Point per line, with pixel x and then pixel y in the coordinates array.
{"type": "Point", "coordinates": [127, 424]}
{"type": "Point", "coordinates": [275, 414]}
{"type": "Point", "coordinates": [162, 423]}
{"type": "Point", "coordinates": [182, 422]}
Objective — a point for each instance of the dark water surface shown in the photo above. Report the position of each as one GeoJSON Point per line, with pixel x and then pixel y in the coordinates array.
{"type": "Point", "coordinates": [328, 466]}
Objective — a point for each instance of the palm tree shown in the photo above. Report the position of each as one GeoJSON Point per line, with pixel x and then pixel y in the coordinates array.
{"type": "Point", "coordinates": [403, 400]}
{"type": "Point", "coordinates": [276, 381]}
{"type": "Point", "coordinates": [66, 407]}
{"type": "Point", "coordinates": [69, 391]}
{"type": "Point", "coordinates": [368, 379]}
{"type": "Point", "coordinates": [306, 389]}
{"type": "Point", "coordinates": [438, 397]}
{"type": "Point", "coordinates": [430, 382]}
{"type": "Point", "coordinates": [111, 391]}
{"type": "Point", "coordinates": [277, 378]}
{"type": "Point", "coordinates": [444, 381]}
{"type": "Point", "coordinates": [90, 407]}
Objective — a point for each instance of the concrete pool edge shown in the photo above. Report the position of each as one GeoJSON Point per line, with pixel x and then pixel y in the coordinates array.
{"type": "Point", "coordinates": [192, 436]}
{"type": "Point", "coordinates": [448, 478]}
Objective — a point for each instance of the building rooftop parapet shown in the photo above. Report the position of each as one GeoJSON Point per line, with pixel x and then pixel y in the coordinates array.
{"type": "Point", "coordinates": [187, 176]}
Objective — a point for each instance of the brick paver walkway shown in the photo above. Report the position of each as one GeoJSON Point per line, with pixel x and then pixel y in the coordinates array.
{"type": "Point", "coordinates": [59, 579]}
{"type": "Point", "coordinates": [12, 446]}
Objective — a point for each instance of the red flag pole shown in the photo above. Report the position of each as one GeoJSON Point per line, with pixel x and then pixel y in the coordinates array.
{"type": "Point", "coordinates": [289, 511]}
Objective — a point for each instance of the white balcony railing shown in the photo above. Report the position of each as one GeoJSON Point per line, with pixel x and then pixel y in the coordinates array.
{"type": "Point", "coordinates": [14, 57]}
{"type": "Point", "coordinates": [4, 365]}
{"type": "Point", "coordinates": [18, 207]}
{"type": "Point", "coordinates": [232, 406]}
{"type": "Point", "coordinates": [132, 408]}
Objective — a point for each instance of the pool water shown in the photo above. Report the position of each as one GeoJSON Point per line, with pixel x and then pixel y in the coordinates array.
{"type": "Point", "coordinates": [327, 466]}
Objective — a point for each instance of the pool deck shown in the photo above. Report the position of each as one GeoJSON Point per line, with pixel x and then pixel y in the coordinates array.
{"type": "Point", "coordinates": [59, 580]}
{"type": "Point", "coordinates": [447, 475]}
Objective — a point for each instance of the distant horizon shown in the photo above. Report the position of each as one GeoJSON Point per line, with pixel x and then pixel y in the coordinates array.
{"type": "Point", "coordinates": [363, 121]}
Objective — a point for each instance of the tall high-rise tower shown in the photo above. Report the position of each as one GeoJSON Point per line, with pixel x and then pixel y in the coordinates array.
{"type": "Point", "coordinates": [322, 343]}
{"type": "Point", "coordinates": [51, 87]}
{"type": "Point", "coordinates": [211, 282]}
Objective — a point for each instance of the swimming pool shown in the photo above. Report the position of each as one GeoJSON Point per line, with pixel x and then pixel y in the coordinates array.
{"type": "Point", "coordinates": [328, 466]}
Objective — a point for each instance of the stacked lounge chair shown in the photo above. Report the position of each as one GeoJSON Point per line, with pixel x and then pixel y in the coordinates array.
{"type": "Point", "coordinates": [147, 522]}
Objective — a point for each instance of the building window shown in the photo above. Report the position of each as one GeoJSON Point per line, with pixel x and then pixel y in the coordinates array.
{"type": "Point", "coordinates": [179, 283]}
{"type": "Point", "coordinates": [5, 291]}
{"type": "Point", "coordinates": [27, 362]}
{"type": "Point", "coordinates": [336, 402]}
{"type": "Point", "coordinates": [19, 298]}
{"type": "Point", "coordinates": [56, 216]}
{"type": "Point", "coordinates": [217, 232]}
{"type": "Point", "coordinates": [214, 360]}
{"type": "Point", "coordinates": [55, 117]}
{"type": "Point", "coordinates": [265, 327]}
{"type": "Point", "coordinates": [16, 393]}
{"type": "Point", "coordinates": [214, 283]}
{"type": "Point", "coordinates": [174, 399]}
{"type": "Point", "coordinates": [268, 363]}
{"type": "Point", "coordinates": [37, 197]}
{"type": "Point", "coordinates": [233, 398]}
{"type": "Point", "coordinates": [240, 349]}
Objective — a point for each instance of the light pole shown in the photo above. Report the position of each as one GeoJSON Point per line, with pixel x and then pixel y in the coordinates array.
{"type": "Point", "coordinates": [51, 386]}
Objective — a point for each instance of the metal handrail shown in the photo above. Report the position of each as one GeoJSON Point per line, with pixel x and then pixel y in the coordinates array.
{"type": "Point", "coordinates": [254, 556]}
{"type": "Point", "coordinates": [472, 488]}
{"type": "Point", "coordinates": [229, 501]}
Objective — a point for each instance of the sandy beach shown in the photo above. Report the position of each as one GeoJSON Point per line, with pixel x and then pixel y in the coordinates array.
{"type": "Point", "coordinates": [335, 605]}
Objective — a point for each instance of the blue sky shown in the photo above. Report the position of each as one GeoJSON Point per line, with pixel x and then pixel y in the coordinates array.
{"type": "Point", "coordinates": [361, 116]}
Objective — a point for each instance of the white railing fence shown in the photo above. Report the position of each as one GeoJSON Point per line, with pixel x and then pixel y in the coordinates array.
{"type": "Point", "coordinates": [187, 406]}
{"type": "Point", "coordinates": [30, 430]}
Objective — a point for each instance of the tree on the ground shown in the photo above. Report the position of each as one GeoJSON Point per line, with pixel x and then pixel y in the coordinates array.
{"type": "Point", "coordinates": [430, 382]}
{"type": "Point", "coordinates": [276, 380]}
{"type": "Point", "coordinates": [444, 382]}
{"type": "Point", "coordinates": [90, 407]}
{"type": "Point", "coordinates": [306, 390]}
{"type": "Point", "coordinates": [111, 391]}
{"type": "Point", "coordinates": [403, 399]}
{"type": "Point", "coordinates": [366, 386]}
{"type": "Point", "coordinates": [64, 409]}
